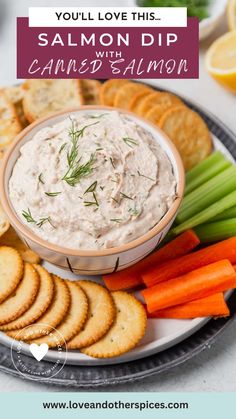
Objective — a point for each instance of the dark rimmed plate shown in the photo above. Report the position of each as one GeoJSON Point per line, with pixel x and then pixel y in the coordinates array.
{"type": "Point", "coordinates": [97, 376]}
{"type": "Point", "coordinates": [80, 376]}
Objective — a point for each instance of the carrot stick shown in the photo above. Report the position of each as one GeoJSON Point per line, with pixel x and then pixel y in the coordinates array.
{"type": "Point", "coordinates": [211, 279]}
{"type": "Point", "coordinates": [214, 306]}
{"type": "Point", "coordinates": [222, 250]}
{"type": "Point", "coordinates": [131, 277]}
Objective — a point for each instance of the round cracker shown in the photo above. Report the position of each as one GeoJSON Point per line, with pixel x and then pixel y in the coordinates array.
{"type": "Point", "coordinates": [10, 238]}
{"type": "Point", "coordinates": [164, 99]}
{"type": "Point", "coordinates": [101, 315]}
{"type": "Point", "coordinates": [90, 91]}
{"type": "Point", "coordinates": [189, 133]}
{"type": "Point", "coordinates": [22, 298]}
{"type": "Point", "coordinates": [126, 93]}
{"type": "Point", "coordinates": [127, 330]}
{"type": "Point", "coordinates": [4, 223]}
{"type": "Point", "coordinates": [51, 318]}
{"type": "Point", "coordinates": [40, 305]}
{"type": "Point", "coordinates": [135, 103]}
{"type": "Point", "coordinates": [109, 89]}
{"type": "Point", "coordinates": [72, 323]}
{"type": "Point", "coordinates": [11, 271]}
{"type": "Point", "coordinates": [156, 112]}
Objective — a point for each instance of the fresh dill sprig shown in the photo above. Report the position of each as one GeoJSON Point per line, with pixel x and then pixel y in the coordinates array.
{"type": "Point", "coordinates": [147, 177]}
{"type": "Point", "coordinates": [129, 141]}
{"type": "Point", "coordinates": [78, 171]}
{"type": "Point", "coordinates": [40, 178]}
{"type": "Point", "coordinates": [115, 200]}
{"type": "Point", "coordinates": [126, 196]}
{"type": "Point", "coordinates": [95, 202]}
{"type": "Point", "coordinates": [62, 148]}
{"type": "Point", "coordinates": [98, 116]}
{"type": "Point", "coordinates": [75, 169]}
{"type": "Point", "coordinates": [116, 220]}
{"type": "Point", "coordinates": [44, 220]}
{"type": "Point", "coordinates": [112, 162]}
{"type": "Point", "coordinates": [28, 216]}
{"type": "Point", "coordinates": [91, 188]}
{"type": "Point", "coordinates": [133, 211]}
{"type": "Point", "coordinates": [52, 193]}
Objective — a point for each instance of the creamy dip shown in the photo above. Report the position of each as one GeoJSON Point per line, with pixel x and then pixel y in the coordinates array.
{"type": "Point", "coordinates": [92, 181]}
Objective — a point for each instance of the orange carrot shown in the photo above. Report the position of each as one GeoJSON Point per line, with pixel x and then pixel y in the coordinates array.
{"type": "Point", "coordinates": [211, 279]}
{"type": "Point", "coordinates": [131, 277]}
{"type": "Point", "coordinates": [222, 250]}
{"type": "Point", "coordinates": [214, 306]}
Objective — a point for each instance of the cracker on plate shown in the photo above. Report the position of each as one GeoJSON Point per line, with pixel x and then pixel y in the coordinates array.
{"type": "Point", "coordinates": [127, 330]}
{"type": "Point", "coordinates": [101, 315]}
{"type": "Point", "coordinates": [11, 271]}
{"type": "Point", "coordinates": [109, 89]}
{"type": "Point", "coordinates": [53, 316]}
{"type": "Point", "coordinates": [10, 238]}
{"type": "Point", "coordinates": [125, 94]}
{"type": "Point", "coordinates": [189, 133]}
{"type": "Point", "coordinates": [136, 101]}
{"type": "Point", "coordinates": [73, 321]}
{"type": "Point", "coordinates": [22, 297]}
{"type": "Point", "coordinates": [164, 99]}
{"type": "Point", "coordinates": [39, 306]}
{"type": "Point", "coordinates": [43, 97]}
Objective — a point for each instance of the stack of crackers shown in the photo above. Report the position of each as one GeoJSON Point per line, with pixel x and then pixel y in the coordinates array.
{"type": "Point", "coordinates": [183, 126]}
{"type": "Point", "coordinates": [38, 307]}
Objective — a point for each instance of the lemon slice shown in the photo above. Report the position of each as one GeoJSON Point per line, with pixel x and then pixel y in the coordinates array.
{"type": "Point", "coordinates": [231, 14]}
{"type": "Point", "coordinates": [221, 60]}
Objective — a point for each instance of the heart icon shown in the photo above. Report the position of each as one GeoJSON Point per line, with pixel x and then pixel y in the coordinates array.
{"type": "Point", "coordinates": [39, 351]}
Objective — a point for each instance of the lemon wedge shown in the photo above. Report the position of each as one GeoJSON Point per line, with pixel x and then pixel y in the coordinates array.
{"type": "Point", "coordinates": [221, 60]}
{"type": "Point", "coordinates": [231, 14]}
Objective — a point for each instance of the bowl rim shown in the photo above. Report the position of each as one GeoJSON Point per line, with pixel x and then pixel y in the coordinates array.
{"type": "Point", "coordinates": [27, 232]}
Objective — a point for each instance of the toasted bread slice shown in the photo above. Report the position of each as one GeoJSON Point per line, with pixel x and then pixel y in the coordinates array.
{"type": "Point", "coordinates": [91, 91]}
{"type": "Point", "coordinates": [9, 122]}
{"type": "Point", "coordinates": [15, 95]}
{"type": "Point", "coordinates": [44, 97]}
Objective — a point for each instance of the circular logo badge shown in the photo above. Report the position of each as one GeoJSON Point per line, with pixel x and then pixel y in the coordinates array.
{"type": "Point", "coordinates": [34, 360]}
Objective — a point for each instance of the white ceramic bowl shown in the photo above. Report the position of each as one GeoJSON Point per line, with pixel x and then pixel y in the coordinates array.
{"type": "Point", "coordinates": [88, 262]}
{"type": "Point", "coordinates": [216, 14]}
{"type": "Point", "coordinates": [208, 25]}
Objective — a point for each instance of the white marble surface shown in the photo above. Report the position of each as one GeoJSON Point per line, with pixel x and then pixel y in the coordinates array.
{"type": "Point", "coordinates": [215, 368]}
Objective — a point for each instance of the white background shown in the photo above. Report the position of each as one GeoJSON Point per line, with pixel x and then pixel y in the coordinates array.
{"type": "Point", "coordinates": [215, 368]}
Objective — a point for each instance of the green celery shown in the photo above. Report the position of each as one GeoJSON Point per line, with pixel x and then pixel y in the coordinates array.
{"type": "Point", "coordinates": [207, 194]}
{"type": "Point", "coordinates": [217, 231]}
{"type": "Point", "coordinates": [229, 213]}
{"type": "Point", "coordinates": [207, 214]}
{"type": "Point", "coordinates": [205, 171]}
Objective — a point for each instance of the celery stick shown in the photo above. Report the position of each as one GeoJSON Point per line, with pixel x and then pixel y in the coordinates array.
{"type": "Point", "coordinates": [208, 193]}
{"type": "Point", "coordinates": [207, 214]}
{"type": "Point", "coordinates": [205, 171]}
{"type": "Point", "coordinates": [229, 213]}
{"type": "Point", "coordinates": [217, 231]}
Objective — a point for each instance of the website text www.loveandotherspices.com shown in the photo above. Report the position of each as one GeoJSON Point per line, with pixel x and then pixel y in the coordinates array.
{"type": "Point", "coordinates": [113, 405]}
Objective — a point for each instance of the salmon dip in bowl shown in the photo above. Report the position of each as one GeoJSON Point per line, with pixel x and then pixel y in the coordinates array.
{"type": "Point", "coordinates": [92, 181]}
